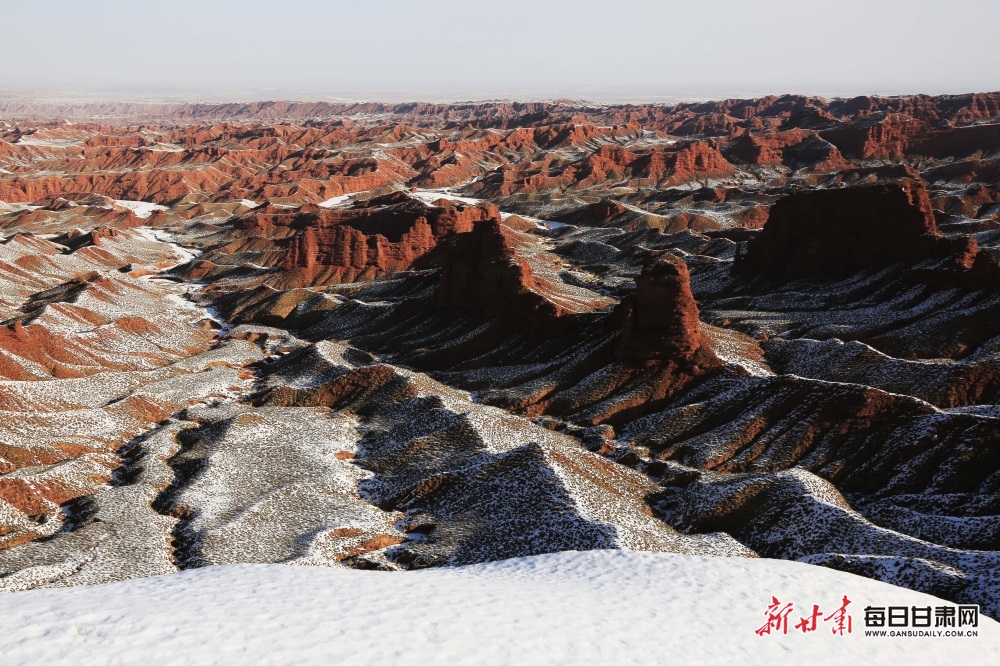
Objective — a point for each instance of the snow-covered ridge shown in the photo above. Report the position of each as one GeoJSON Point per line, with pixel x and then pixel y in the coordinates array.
{"type": "Point", "coordinates": [595, 607]}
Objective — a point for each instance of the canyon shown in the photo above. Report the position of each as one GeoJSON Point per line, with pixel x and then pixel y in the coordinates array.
{"type": "Point", "coordinates": [402, 336]}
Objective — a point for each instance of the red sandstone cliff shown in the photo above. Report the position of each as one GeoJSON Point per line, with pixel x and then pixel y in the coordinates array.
{"type": "Point", "coordinates": [834, 231]}
{"type": "Point", "coordinates": [330, 247]}
{"type": "Point", "coordinates": [484, 272]}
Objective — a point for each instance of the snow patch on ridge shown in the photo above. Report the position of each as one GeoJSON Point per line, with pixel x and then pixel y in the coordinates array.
{"type": "Point", "coordinates": [335, 201]}
{"type": "Point", "coordinates": [430, 196]}
{"type": "Point", "coordinates": [141, 209]}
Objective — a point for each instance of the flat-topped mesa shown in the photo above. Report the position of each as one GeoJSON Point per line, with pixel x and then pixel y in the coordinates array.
{"type": "Point", "coordinates": [485, 273]}
{"type": "Point", "coordinates": [330, 247]}
{"type": "Point", "coordinates": [661, 318]}
{"type": "Point", "coordinates": [826, 232]}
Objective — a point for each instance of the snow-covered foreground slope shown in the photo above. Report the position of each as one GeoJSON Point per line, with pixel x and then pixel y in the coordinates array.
{"type": "Point", "coordinates": [610, 607]}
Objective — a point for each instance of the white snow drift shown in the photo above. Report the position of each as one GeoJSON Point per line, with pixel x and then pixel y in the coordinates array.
{"type": "Point", "coordinates": [596, 607]}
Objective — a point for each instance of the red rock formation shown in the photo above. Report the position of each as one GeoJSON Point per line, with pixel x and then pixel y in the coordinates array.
{"type": "Point", "coordinates": [793, 148]}
{"type": "Point", "coordinates": [978, 269]}
{"type": "Point", "coordinates": [599, 213]}
{"type": "Point", "coordinates": [985, 270]}
{"type": "Point", "coordinates": [114, 141]}
{"type": "Point", "coordinates": [833, 231]}
{"type": "Point", "coordinates": [700, 159]}
{"type": "Point", "coordinates": [662, 351]}
{"type": "Point", "coordinates": [76, 239]}
{"type": "Point", "coordinates": [970, 108]}
{"type": "Point", "coordinates": [661, 318]}
{"type": "Point", "coordinates": [885, 137]}
{"type": "Point", "coordinates": [331, 247]}
{"type": "Point", "coordinates": [754, 217]}
{"type": "Point", "coordinates": [957, 141]}
{"type": "Point", "coordinates": [341, 253]}
{"type": "Point", "coordinates": [711, 124]}
{"type": "Point", "coordinates": [483, 272]}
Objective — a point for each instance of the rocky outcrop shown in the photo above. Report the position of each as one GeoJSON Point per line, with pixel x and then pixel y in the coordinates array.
{"type": "Point", "coordinates": [294, 308]}
{"type": "Point", "coordinates": [661, 352]}
{"type": "Point", "coordinates": [335, 247]}
{"type": "Point", "coordinates": [982, 271]}
{"type": "Point", "coordinates": [793, 514]}
{"type": "Point", "coordinates": [340, 253]}
{"type": "Point", "coordinates": [835, 231]}
{"type": "Point", "coordinates": [700, 159]}
{"type": "Point", "coordinates": [985, 270]}
{"type": "Point", "coordinates": [793, 148]}
{"type": "Point", "coordinates": [661, 318]}
{"type": "Point", "coordinates": [76, 239]}
{"type": "Point", "coordinates": [483, 273]}
{"type": "Point", "coordinates": [877, 137]}
{"type": "Point", "coordinates": [957, 141]}
{"type": "Point", "coordinates": [599, 213]}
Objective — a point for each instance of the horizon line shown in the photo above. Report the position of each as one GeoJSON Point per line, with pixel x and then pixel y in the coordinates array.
{"type": "Point", "coordinates": [164, 97]}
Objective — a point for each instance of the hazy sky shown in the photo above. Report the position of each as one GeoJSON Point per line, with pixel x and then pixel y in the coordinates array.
{"type": "Point", "coordinates": [389, 49]}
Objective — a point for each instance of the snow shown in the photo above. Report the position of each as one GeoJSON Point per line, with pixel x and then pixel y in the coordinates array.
{"type": "Point", "coordinates": [15, 207]}
{"type": "Point", "coordinates": [434, 195]}
{"type": "Point", "coordinates": [140, 208]}
{"type": "Point", "coordinates": [45, 143]}
{"type": "Point", "coordinates": [430, 196]}
{"type": "Point", "coordinates": [572, 607]}
{"type": "Point", "coordinates": [213, 314]}
{"type": "Point", "coordinates": [335, 201]}
{"type": "Point", "coordinates": [160, 236]}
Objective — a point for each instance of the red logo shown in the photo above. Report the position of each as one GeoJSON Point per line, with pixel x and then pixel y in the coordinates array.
{"type": "Point", "coordinates": [777, 619]}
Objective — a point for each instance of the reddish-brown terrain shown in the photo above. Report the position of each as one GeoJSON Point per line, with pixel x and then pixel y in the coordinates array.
{"type": "Point", "coordinates": [830, 232]}
{"type": "Point", "coordinates": [400, 336]}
